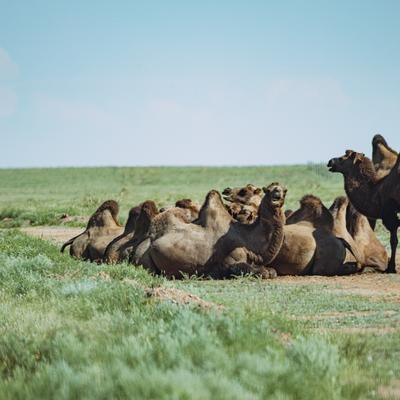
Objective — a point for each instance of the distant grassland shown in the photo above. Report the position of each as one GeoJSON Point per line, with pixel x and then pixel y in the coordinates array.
{"type": "Point", "coordinates": [41, 196]}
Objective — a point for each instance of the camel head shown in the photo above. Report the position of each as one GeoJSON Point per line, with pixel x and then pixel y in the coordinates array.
{"type": "Point", "coordinates": [353, 164]}
{"type": "Point", "coordinates": [345, 163]}
{"type": "Point", "coordinates": [244, 195]}
{"type": "Point", "coordinates": [274, 196]}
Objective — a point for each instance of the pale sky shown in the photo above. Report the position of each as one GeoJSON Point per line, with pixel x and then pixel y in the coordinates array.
{"type": "Point", "coordinates": [196, 82]}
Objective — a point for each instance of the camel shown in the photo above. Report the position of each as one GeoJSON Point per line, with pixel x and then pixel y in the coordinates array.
{"type": "Point", "coordinates": [310, 246]}
{"type": "Point", "coordinates": [217, 245]}
{"type": "Point", "coordinates": [356, 230]}
{"type": "Point", "coordinates": [383, 157]}
{"type": "Point", "coordinates": [185, 211]}
{"type": "Point", "coordinates": [117, 249]}
{"type": "Point", "coordinates": [243, 202]}
{"type": "Point", "coordinates": [373, 197]}
{"type": "Point", "coordinates": [375, 254]}
{"type": "Point", "coordinates": [101, 229]}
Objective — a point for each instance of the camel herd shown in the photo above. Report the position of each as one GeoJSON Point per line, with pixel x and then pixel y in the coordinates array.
{"type": "Point", "coordinates": [251, 233]}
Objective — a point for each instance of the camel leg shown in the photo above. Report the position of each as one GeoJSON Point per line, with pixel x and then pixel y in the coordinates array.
{"type": "Point", "coordinates": [392, 222]}
{"type": "Point", "coordinates": [393, 246]}
{"type": "Point", "coordinates": [245, 268]}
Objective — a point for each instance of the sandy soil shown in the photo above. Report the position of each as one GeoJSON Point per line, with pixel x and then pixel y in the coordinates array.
{"type": "Point", "coordinates": [55, 234]}
{"type": "Point", "coordinates": [369, 284]}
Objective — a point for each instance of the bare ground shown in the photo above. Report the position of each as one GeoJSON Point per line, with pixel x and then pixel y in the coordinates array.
{"type": "Point", "coordinates": [55, 234]}
{"type": "Point", "coordinates": [368, 284]}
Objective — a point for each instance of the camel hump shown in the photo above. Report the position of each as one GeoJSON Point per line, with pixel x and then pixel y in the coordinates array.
{"type": "Point", "coordinates": [338, 203]}
{"type": "Point", "coordinates": [379, 139]}
{"type": "Point", "coordinates": [97, 218]}
{"type": "Point", "coordinates": [311, 201]}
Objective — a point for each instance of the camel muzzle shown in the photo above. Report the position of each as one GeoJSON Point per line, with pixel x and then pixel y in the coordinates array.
{"type": "Point", "coordinates": [332, 165]}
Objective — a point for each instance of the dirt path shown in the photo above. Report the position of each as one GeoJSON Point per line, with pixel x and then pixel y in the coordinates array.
{"type": "Point", "coordinates": [371, 285]}
{"type": "Point", "coordinates": [54, 234]}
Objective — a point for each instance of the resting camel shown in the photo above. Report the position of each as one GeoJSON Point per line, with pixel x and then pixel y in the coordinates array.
{"type": "Point", "coordinates": [383, 157]}
{"type": "Point", "coordinates": [116, 250]}
{"type": "Point", "coordinates": [243, 202]}
{"type": "Point", "coordinates": [101, 229]}
{"type": "Point", "coordinates": [184, 211]}
{"type": "Point", "coordinates": [356, 230]}
{"type": "Point", "coordinates": [375, 254]}
{"type": "Point", "coordinates": [310, 246]}
{"type": "Point", "coordinates": [217, 245]}
{"type": "Point", "coordinates": [373, 197]}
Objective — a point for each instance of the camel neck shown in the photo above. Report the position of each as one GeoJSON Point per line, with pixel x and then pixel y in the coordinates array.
{"type": "Point", "coordinates": [272, 225]}
{"type": "Point", "coordinates": [360, 190]}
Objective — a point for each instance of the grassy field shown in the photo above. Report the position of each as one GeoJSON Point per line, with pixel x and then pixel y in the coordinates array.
{"type": "Point", "coordinates": [72, 329]}
{"type": "Point", "coordinates": [41, 196]}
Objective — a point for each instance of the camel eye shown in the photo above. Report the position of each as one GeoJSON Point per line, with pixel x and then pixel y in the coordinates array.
{"type": "Point", "coordinates": [242, 192]}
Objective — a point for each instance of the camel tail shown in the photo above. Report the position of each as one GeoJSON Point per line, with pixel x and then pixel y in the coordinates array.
{"type": "Point", "coordinates": [66, 244]}
{"type": "Point", "coordinates": [70, 241]}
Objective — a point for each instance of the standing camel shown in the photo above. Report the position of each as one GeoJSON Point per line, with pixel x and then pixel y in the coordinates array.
{"type": "Point", "coordinates": [371, 196]}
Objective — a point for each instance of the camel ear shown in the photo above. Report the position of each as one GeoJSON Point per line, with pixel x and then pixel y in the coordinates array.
{"type": "Point", "coordinates": [357, 157]}
{"type": "Point", "coordinates": [265, 189]}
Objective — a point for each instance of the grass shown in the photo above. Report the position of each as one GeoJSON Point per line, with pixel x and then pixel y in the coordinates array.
{"type": "Point", "coordinates": [72, 329]}
{"type": "Point", "coordinates": [41, 196]}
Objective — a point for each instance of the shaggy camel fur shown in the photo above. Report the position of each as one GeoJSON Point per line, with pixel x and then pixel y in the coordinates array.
{"type": "Point", "coordinates": [309, 245]}
{"type": "Point", "coordinates": [383, 157]}
{"type": "Point", "coordinates": [373, 197]}
{"type": "Point", "coordinates": [101, 229]}
{"type": "Point", "coordinates": [243, 202]}
{"type": "Point", "coordinates": [117, 249]}
{"type": "Point", "coordinates": [207, 245]}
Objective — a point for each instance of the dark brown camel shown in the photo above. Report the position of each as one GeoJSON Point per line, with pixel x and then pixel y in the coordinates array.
{"type": "Point", "coordinates": [373, 197]}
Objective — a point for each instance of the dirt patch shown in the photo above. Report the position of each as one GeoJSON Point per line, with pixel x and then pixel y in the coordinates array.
{"type": "Point", "coordinates": [362, 330]}
{"type": "Point", "coordinates": [181, 297]}
{"type": "Point", "coordinates": [391, 391]}
{"type": "Point", "coordinates": [348, 314]}
{"type": "Point", "coordinates": [369, 285]}
{"type": "Point", "coordinates": [54, 234]}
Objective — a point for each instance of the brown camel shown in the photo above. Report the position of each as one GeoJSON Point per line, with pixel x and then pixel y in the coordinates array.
{"type": "Point", "coordinates": [117, 250]}
{"type": "Point", "coordinates": [309, 245]}
{"type": "Point", "coordinates": [375, 254]}
{"type": "Point", "coordinates": [356, 230]}
{"type": "Point", "coordinates": [184, 211]}
{"type": "Point", "coordinates": [101, 229]}
{"type": "Point", "coordinates": [210, 244]}
{"type": "Point", "coordinates": [373, 197]}
{"type": "Point", "coordinates": [383, 157]}
{"type": "Point", "coordinates": [243, 202]}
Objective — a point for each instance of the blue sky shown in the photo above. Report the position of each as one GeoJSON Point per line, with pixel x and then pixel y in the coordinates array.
{"type": "Point", "coordinates": [196, 82]}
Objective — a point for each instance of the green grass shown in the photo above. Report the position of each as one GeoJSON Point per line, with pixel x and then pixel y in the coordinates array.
{"type": "Point", "coordinates": [67, 332]}
{"type": "Point", "coordinates": [72, 329]}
